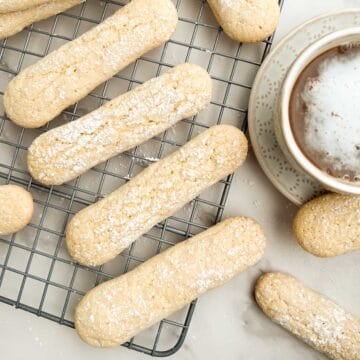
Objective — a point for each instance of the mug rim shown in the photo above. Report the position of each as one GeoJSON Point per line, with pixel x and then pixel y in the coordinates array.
{"type": "Point", "coordinates": [303, 60]}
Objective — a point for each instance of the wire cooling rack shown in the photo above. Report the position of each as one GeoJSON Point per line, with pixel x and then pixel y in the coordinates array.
{"type": "Point", "coordinates": [36, 273]}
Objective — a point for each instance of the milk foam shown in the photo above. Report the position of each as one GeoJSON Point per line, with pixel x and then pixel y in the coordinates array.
{"type": "Point", "coordinates": [332, 120]}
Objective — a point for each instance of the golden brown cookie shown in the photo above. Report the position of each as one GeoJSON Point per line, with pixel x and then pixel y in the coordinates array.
{"type": "Point", "coordinates": [68, 151]}
{"type": "Point", "coordinates": [310, 316]}
{"type": "Point", "coordinates": [16, 209]}
{"type": "Point", "coordinates": [246, 20]}
{"type": "Point", "coordinates": [98, 233]}
{"type": "Point", "coordinates": [13, 22]}
{"type": "Point", "coordinates": [117, 310]}
{"type": "Point", "coordinates": [43, 90]}
{"type": "Point", "coordinates": [18, 5]}
{"type": "Point", "coordinates": [329, 225]}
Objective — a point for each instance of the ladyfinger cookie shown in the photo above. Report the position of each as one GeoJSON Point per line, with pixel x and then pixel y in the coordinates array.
{"type": "Point", "coordinates": [329, 225]}
{"type": "Point", "coordinates": [66, 152]}
{"type": "Point", "coordinates": [246, 21]}
{"type": "Point", "coordinates": [13, 22]}
{"type": "Point", "coordinates": [18, 5]}
{"type": "Point", "coordinates": [41, 91]}
{"type": "Point", "coordinates": [310, 316]}
{"type": "Point", "coordinates": [117, 310]}
{"type": "Point", "coordinates": [16, 209]}
{"type": "Point", "coordinates": [101, 231]}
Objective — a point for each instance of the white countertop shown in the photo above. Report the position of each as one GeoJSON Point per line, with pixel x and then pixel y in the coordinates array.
{"type": "Point", "coordinates": [227, 323]}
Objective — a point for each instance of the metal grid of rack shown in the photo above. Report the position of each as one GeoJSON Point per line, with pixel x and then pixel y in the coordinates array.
{"type": "Point", "coordinates": [36, 273]}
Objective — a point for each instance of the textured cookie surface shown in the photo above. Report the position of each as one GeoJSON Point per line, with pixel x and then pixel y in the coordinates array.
{"type": "Point", "coordinates": [16, 209]}
{"type": "Point", "coordinates": [66, 152]}
{"type": "Point", "coordinates": [312, 317]}
{"type": "Point", "coordinates": [18, 5]}
{"type": "Point", "coordinates": [329, 225]}
{"type": "Point", "coordinates": [115, 311]}
{"type": "Point", "coordinates": [14, 22]}
{"type": "Point", "coordinates": [246, 20]}
{"type": "Point", "coordinates": [101, 231]}
{"type": "Point", "coordinates": [41, 91]}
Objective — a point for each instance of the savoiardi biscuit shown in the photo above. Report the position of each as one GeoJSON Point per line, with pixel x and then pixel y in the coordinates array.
{"type": "Point", "coordinates": [246, 21]}
{"type": "Point", "coordinates": [310, 316]}
{"type": "Point", "coordinates": [115, 311]}
{"type": "Point", "coordinates": [98, 233]}
{"type": "Point", "coordinates": [43, 90]}
{"type": "Point", "coordinates": [329, 225]}
{"type": "Point", "coordinates": [14, 22]}
{"type": "Point", "coordinates": [18, 5]}
{"type": "Point", "coordinates": [16, 209]}
{"type": "Point", "coordinates": [68, 151]}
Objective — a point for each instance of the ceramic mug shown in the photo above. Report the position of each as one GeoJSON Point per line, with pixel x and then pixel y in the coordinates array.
{"type": "Point", "coordinates": [283, 128]}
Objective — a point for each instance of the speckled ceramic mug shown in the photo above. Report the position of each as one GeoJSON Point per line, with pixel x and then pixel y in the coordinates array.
{"type": "Point", "coordinates": [283, 129]}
